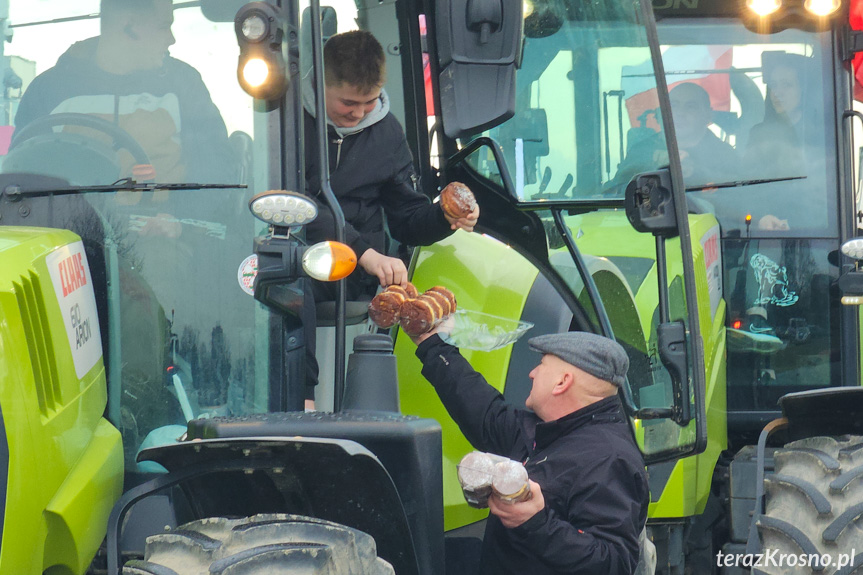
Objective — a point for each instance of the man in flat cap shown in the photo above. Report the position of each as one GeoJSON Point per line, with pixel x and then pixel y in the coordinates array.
{"type": "Point", "coordinates": [587, 476]}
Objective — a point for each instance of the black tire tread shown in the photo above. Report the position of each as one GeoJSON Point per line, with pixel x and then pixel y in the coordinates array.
{"type": "Point", "coordinates": [266, 543]}
{"type": "Point", "coordinates": [844, 480]}
{"type": "Point", "coordinates": [835, 529]}
{"type": "Point", "coordinates": [813, 503]}
{"type": "Point", "coordinates": [819, 501]}
{"type": "Point", "coordinates": [136, 567]}
{"type": "Point", "coordinates": [794, 534]}
{"type": "Point", "coordinates": [855, 567]}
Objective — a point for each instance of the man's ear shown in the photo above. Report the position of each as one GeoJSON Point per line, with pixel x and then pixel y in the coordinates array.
{"type": "Point", "coordinates": [563, 385]}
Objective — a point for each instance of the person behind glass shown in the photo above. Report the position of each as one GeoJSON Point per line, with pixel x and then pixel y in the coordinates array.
{"type": "Point", "coordinates": [371, 174]}
{"type": "Point", "coordinates": [704, 158]}
{"type": "Point", "coordinates": [126, 76]}
{"type": "Point", "coordinates": [587, 477]}
{"type": "Point", "coordinates": [777, 146]}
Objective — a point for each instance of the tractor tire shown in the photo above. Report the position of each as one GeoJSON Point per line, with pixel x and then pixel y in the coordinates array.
{"type": "Point", "coordinates": [260, 545]}
{"type": "Point", "coordinates": [814, 502]}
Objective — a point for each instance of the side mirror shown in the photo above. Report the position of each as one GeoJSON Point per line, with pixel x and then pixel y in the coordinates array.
{"type": "Point", "coordinates": [649, 204]}
{"type": "Point", "coordinates": [479, 48]}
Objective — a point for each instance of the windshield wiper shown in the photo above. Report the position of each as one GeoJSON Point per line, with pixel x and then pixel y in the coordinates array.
{"type": "Point", "coordinates": [91, 16]}
{"type": "Point", "coordinates": [741, 183]}
{"type": "Point", "coordinates": [15, 186]}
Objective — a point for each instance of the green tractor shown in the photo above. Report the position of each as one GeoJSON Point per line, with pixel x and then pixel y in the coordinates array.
{"type": "Point", "coordinates": [774, 487]}
{"type": "Point", "coordinates": [186, 401]}
{"type": "Point", "coordinates": [150, 345]}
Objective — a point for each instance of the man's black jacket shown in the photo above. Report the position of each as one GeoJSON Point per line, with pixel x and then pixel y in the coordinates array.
{"type": "Point", "coordinates": [369, 171]}
{"type": "Point", "coordinates": [588, 466]}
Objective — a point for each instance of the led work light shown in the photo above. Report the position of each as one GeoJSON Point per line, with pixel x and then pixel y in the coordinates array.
{"type": "Point", "coordinates": [261, 70]}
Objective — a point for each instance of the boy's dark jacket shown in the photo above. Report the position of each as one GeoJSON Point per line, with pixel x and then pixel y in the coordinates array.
{"type": "Point", "coordinates": [372, 174]}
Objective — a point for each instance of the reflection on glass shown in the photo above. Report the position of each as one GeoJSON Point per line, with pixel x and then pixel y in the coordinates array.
{"type": "Point", "coordinates": [781, 319]}
{"type": "Point", "coordinates": [143, 92]}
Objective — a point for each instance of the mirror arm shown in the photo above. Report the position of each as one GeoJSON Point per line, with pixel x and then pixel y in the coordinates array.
{"type": "Point", "coordinates": [671, 342]}
{"type": "Point", "coordinates": [496, 152]}
{"type": "Point", "coordinates": [593, 295]}
{"type": "Point", "coordinates": [329, 195]}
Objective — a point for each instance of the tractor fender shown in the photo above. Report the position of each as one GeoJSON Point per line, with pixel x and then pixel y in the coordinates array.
{"type": "Point", "coordinates": [303, 464]}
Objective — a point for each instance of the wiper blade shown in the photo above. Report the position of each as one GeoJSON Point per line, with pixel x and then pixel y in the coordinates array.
{"type": "Point", "coordinates": [91, 16]}
{"type": "Point", "coordinates": [31, 185]}
{"type": "Point", "coordinates": [741, 183]}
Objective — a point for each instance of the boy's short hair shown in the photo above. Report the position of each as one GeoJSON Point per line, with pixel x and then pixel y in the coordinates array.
{"type": "Point", "coordinates": [355, 58]}
{"type": "Point", "coordinates": [112, 9]}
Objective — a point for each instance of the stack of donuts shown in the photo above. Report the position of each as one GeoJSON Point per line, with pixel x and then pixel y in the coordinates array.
{"type": "Point", "coordinates": [415, 313]}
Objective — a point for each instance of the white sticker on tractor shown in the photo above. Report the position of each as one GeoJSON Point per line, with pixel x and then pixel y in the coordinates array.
{"type": "Point", "coordinates": [247, 272]}
{"type": "Point", "coordinates": [73, 285]}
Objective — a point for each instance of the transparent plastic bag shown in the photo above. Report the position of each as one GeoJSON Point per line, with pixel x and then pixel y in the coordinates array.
{"type": "Point", "coordinates": [481, 331]}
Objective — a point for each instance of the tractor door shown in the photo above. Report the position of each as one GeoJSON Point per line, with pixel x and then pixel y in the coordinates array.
{"type": "Point", "coordinates": [557, 246]}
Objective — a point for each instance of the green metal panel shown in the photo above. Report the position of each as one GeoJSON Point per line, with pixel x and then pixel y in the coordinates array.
{"type": "Point", "coordinates": [486, 276]}
{"type": "Point", "coordinates": [53, 419]}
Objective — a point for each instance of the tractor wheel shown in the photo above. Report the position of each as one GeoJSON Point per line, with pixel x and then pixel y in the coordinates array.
{"type": "Point", "coordinates": [814, 501]}
{"type": "Point", "coordinates": [260, 545]}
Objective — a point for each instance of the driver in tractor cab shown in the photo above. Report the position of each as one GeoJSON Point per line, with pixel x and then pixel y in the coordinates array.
{"type": "Point", "coordinates": [704, 158]}
{"type": "Point", "coordinates": [126, 76]}
{"type": "Point", "coordinates": [372, 176]}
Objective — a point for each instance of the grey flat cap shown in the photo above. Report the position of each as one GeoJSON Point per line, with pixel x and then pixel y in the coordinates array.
{"type": "Point", "coordinates": [595, 354]}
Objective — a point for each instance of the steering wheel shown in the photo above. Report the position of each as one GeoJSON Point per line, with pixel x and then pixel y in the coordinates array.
{"type": "Point", "coordinates": [119, 136]}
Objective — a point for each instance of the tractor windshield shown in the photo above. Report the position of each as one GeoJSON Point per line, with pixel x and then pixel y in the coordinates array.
{"type": "Point", "coordinates": [148, 91]}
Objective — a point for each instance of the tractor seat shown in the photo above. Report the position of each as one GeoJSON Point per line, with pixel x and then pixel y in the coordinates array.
{"type": "Point", "coordinates": [355, 312]}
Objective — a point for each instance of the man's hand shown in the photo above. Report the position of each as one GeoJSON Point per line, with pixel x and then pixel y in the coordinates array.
{"type": "Point", "coordinates": [467, 223]}
{"type": "Point", "coordinates": [514, 514]}
{"type": "Point", "coordinates": [444, 327]}
{"type": "Point", "coordinates": [388, 270]}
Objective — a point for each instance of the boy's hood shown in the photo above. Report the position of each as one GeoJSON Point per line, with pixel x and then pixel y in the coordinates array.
{"type": "Point", "coordinates": [381, 109]}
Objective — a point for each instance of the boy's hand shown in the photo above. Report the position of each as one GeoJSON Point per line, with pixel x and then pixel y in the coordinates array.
{"type": "Point", "coordinates": [388, 270]}
{"type": "Point", "coordinates": [466, 223]}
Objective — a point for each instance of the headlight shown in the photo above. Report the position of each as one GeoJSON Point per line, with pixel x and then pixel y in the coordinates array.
{"type": "Point", "coordinates": [822, 7]}
{"type": "Point", "coordinates": [763, 7]}
{"type": "Point", "coordinates": [329, 261]}
{"type": "Point", "coordinates": [283, 208]}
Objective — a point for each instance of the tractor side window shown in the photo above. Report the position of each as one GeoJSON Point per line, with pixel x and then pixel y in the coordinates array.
{"type": "Point", "coordinates": [781, 321]}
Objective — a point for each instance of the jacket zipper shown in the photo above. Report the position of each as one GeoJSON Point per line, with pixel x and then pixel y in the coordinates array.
{"type": "Point", "coordinates": [338, 144]}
